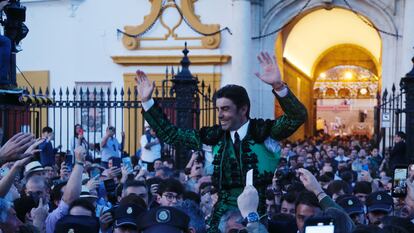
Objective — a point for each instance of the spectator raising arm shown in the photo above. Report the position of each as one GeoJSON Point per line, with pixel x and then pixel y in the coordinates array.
{"type": "Point", "coordinates": [71, 191]}
{"type": "Point", "coordinates": [248, 202]}
{"type": "Point", "coordinates": [13, 149]}
{"type": "Point", "coordinates": [311, 184]}
{"type": "Point", "coordinates": [74, 186]}
{"type": "Point", "coordinates": [7, 181]}
{"type": "Point", "coordinates": [105, 138]}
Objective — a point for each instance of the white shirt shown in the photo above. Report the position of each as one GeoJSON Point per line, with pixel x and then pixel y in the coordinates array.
{"type": "Point", "coordinates": [341, 158]}
{"type": "Point", "coordinates": [242, 131]}
{"type": "Point", "coordinates": [112, 148]}
{"type": "Point", "coordinates": [153, 153]}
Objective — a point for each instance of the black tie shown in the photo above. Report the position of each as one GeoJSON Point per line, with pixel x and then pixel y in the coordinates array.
{"type": "Point", "coordinates": [236, 145]}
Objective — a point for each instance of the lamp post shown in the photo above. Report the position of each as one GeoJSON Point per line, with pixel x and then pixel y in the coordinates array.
{"type": "Point", "coordinates": [185, 88]}
{"type": "Point", "coordinates": [407, 84]}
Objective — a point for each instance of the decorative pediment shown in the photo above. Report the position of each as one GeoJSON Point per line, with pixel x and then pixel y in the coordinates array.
{"type": "Point", "coordinates": [207, 33]}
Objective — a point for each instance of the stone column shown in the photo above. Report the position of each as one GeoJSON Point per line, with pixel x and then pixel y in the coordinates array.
{"type": "Point", "coordinates": [241, 46]}
{"type": "Point", "coordinates": [407, 84]}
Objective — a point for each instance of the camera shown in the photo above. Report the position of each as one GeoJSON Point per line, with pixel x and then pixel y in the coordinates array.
{"type": "Point", "coordinates": [14, 28]}
{"type": "Point", "coordinates": [285, 177]}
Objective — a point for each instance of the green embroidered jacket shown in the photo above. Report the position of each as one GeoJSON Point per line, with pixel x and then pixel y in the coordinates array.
{"type": "Point", "coordinates": [229, 174]}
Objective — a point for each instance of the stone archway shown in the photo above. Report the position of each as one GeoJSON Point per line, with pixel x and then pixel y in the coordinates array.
{"type": "Point", "coordinates": [286, 11]}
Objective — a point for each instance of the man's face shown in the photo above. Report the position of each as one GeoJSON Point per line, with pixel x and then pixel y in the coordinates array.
{"type": "Point", "coordinates": [230, 117]}
{"type": "Point", "coordinates": [362, 197]}
{"type": "Point", "coordinates": [36, 187]}
{"type": "Point", "coordinates": [374, 152]}
{"type": "Point", "coordinates": [49, 172]}
{"type": "Point", "coordinates": [375, 217]}
{"type": "Point", "coordinates": [196, 170]}
{"type": "Point", "coordinates": [233, 224]}
{"type": "Point", "coordinates": [302, 152]}
{"type": "Point", "coordinates": [111, 131]}
{"type": "Point", "coordinates": [153, 133]}
{"type": "Point", "coordinates": [287, 208]}
{"type": "Point", "coordinates": [140, 191]}
{"type": "Point", "coordinates": [341, 151]}
{"type": "Point", "coordinates": [47, 135]}
{"type": "Point", "coordinates": [126, 229]}
{"type": "Point", "coordinates": [303, 212]}
{"type": "Point", "coordinates": [157, 164]}
{"type": "Point", "coordinates": [301, 160]}
{"type": "Point", "coordinates": [358, 219]}
{"type": "Point", "coordinates": [168, 199]}
{"type": "Point", "coordinates": [269, 207]}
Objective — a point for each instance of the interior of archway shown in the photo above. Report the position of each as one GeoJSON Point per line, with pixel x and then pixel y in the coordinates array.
{"type": "Point", "coordinates": [334, 43]}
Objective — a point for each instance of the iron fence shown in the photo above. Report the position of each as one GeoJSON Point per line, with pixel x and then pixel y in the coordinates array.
{"type": "Point", "coordinates": [390, 116]}
{"type": "Point", "coordinates": [95, 109]}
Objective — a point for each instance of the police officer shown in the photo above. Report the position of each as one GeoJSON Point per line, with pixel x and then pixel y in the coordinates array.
{"type": "Point", "coordinates": [126, 218]}
{"type": "Point", "coordinates": [379, 205]}
{"type": "Point", "coordinates": [353, 207]}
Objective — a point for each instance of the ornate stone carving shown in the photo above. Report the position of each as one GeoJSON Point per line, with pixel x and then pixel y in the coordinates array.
{"type": "Point", "coordinates": [157, 11]}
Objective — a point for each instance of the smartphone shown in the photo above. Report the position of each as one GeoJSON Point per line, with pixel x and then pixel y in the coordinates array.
{"type": "Point", "coordinates": [3, 171]}
{"type": "Point", "coordinates": [144, 166]}
{"type": "Point", "coordinates": [116, 162]}
{"type": "Point", "coordinates": [126, 161]}
{"type": "Point", "coordinates": [319, 225]}
{"type": "Point", "coordinates": [249, 177]}
{"type": "Point", "coordinates": [109, 185]}
{"type": "Point", "coordinates": [95, 172]}
{"type": "Point", "coordinates": [399, 179]}
{"type": "Point", "coordinates": [69, 161]}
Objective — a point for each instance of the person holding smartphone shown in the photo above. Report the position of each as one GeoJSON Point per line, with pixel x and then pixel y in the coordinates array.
{"type": "Point", "coordinates": [150, 148]}
{"type": "Point", "coordinates": [79, 139]}
{"type": "Point", "coordinates": [110, 147]}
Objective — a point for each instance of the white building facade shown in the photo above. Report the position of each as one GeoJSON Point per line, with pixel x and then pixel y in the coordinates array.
{"type": "Point", "coordinates": [75, 42]}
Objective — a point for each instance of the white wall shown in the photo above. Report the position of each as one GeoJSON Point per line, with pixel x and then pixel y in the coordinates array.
{"type": "Point", "coordinates": [75, 39]}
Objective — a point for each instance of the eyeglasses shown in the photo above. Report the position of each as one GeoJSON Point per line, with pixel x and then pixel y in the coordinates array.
{"type": "Point", "coordinates": [170, 196]}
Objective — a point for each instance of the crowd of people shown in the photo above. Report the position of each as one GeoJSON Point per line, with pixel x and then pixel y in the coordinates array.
{"type": "Point", "coordinates": [345, 179]}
